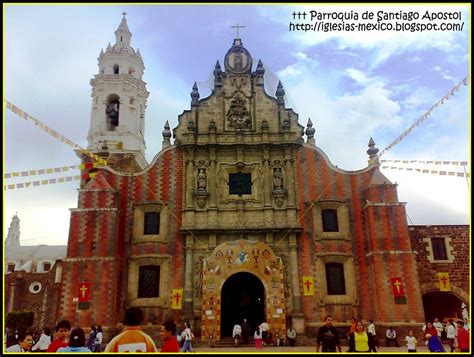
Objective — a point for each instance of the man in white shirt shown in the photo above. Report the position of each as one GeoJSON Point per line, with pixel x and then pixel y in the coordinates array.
{"type": "Point", "coordinates": [451, 333]}
{"type": "Point", "coordinates": [371, 335]}
{"type": "Point", "coordinates": [237, 333]}
{"type": "Point", "coordinates": [44, 341]}
{"type": "Point", "coordinates": [438, 326]}
{"type": "Point", "coordinates": [264, 328]}
{"type": "Point", "coordinates": [391, 336]}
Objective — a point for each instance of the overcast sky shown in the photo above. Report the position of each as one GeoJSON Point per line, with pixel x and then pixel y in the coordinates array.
{"type": "Point", "coordinates": [353, 85]}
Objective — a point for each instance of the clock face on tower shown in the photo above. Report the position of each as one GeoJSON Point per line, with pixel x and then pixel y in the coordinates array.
{"type": "Point", "coordinates": [238, 59]}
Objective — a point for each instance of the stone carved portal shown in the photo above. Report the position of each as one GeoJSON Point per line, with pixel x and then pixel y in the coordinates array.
{"type": "Point", "coordinates": [242, 256]}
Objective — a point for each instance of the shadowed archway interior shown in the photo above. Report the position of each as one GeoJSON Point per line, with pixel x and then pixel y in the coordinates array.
{"type": "Point", "coordinates": [242, 296]}
{"type": "Point", "coordinates": [442, 305]}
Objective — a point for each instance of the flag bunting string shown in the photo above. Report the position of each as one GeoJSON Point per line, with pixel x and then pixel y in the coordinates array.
{"type": "Point", "coordinates": [22, 114]}
{"type": "Point", "coordinates": [427, 171]}
{"type": "Point", "coordinates": [54, 170]}
{"type": "Point", "coordinates": [424, 116]}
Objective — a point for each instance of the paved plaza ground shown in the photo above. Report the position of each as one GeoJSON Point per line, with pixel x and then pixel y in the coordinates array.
{"type": "Point", "coordinates": [296, 349]}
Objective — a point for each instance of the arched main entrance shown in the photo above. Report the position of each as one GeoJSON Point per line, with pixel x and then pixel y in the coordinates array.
{"type": "Point", "coordinates": [442, 305]}
{"type": "Point", "coordinates": [242, 296]}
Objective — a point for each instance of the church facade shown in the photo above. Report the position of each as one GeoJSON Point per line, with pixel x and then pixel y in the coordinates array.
{"type": "Point", "coordinates": [240, 217]}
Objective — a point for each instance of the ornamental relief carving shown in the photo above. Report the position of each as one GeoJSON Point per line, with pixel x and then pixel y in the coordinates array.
{"type": "Point", "coordinates": [238, 115]}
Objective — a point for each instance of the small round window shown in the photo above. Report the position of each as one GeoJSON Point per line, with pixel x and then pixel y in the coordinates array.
{"type": "Point", "coordinates": [35, 287]}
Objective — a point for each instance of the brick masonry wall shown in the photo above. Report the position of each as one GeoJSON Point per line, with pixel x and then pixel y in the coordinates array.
{"type": "Point", "coordinates": [458, 270]}
{"type": "Point", "coordinates": [43, 303]}
{"type": "Point", "coordinates": [100, 238]}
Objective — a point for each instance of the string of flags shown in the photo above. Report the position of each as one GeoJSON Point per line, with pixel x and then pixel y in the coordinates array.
{"type": "Point", "coordinates": [424, 116]}
{"type": "Point", "coordinates": [429, 162]}
{"type": "Point", "coordinates": [22, 114]}
{"type": "Point", "coordinates": [54, 170]}
{"type": "Point", "coordinates": [426, 171]}
{"type": "Point", "coordinates": [42, 182]}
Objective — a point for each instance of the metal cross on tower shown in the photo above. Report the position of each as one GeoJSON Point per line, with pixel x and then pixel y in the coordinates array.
{"type": "Point", "coordinates": [237, 27]}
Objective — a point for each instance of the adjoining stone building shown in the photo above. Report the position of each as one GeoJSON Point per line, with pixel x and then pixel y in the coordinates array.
{"type": "Point", "coordinates": [239, 217]}
{"type": "Point", "coordinates": [32, 277]}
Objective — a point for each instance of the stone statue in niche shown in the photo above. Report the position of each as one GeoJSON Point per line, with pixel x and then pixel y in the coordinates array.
{"type": "Point", "coordinates": [201, 179]}
{"type": "Point", "coordinates": [238, 63]}
{"type": "Point", "coordinates": [277, 179]}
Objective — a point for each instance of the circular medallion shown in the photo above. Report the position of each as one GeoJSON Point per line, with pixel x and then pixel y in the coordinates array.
{"type": "Point", "coordinates": [238, 60]}
{"type": "Point", "coordinates": [35, 287]}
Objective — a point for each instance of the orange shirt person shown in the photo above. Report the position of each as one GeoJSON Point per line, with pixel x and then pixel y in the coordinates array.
{"type": "Point", "coordinates": [132, 338]}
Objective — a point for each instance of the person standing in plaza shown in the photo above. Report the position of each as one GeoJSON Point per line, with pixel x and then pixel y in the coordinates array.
{"type": "Point", "coordinates": [328, 337]}
{"type": "Point", "coordinates": [62, 335]}
{"type": "Point", "coordinates": [43, 342]}
{"type": "Point", "coordinates": [188, 336]}
{"type": "Point", "coordinates": [451, 333]}
{"type": "Point", "coordinates": [264, 327]}
{"type": "Point", "coordinates": [77, 342]}
{"type": "Point", "coordinates": [91, 339]}
{"type": "Point", "coordinates": [237, 334]}
{"type": "Point", "coordinates": [24, 341]}
{"type": "Point", "coordinates": [462, 340]}
{"type": "Point", "coordinates": [258, 338]}
{"type": "Point", "coordinates": [372, 336]}
{"type": "Point", "coordinates": [132, 338]}
{"type": "Point", "coordinates": [359, 340]}
{"type": "Point", "coordinates": [438, 326]}
{"type": "Point", "coordinates": [245, 331]}
{"type": "Point", "coordinates": [98, 340]}
{"type": "Point", "coordinates": [411, 341]}
{"type": "Point", "coordinates": [168, 337]}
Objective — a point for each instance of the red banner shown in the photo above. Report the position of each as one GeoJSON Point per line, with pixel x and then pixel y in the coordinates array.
{"type": "Point", "coordinates": [84, 292]}
{"type": "Point", "coordinates": [397, 286]}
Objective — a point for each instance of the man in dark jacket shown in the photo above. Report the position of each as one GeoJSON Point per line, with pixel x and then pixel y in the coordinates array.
{"type": "Point", "coordinates": [328, 337]}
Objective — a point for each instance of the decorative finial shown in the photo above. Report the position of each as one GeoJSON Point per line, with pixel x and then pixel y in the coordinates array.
{"type": "Point", "coordinates": [280, 93]}
{"type": "Point", "coordinates": [195, 95]}
{"type": "Point", "coordinates": [260, 70]}
{"type": "Point", "coordinates": [310, 132]}
{"type": "Point", "coordinates": [372, 151]}
{"type": "Point", "coordinates": [217, 69]}
{"type": "Point", "coordinates": [166, 135]}
{"type": "Point", "coordinates": [167, 132]}
{"type": "Point", "coordinates": [237, 27]}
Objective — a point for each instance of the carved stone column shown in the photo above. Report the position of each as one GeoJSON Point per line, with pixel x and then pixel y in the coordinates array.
{"type": "Point", "coordinates": [267, 178]}
{"type": "Point", "coordinates": [213, 179]}
{"type": "Point", "coordinates": [297, 314]}
{"type": "Point", "coordinates": [189, 178]}
{"type": "Point", "coordinates": [289, 177]}
{"type": "Point", "coordinates": [188, 279]}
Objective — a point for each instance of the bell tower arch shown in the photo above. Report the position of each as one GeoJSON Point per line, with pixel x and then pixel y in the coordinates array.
{"type": "Point", "coordinates": [119, 96]}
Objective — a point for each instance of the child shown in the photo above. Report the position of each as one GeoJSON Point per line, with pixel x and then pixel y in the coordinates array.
{"type": "Point", "coordinates": [411, 341]}
{"type": "Point", "coordinates": [258, 338]}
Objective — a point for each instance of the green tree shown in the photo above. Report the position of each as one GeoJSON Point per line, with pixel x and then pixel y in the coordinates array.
{"type": "Point", "coordinates": [17, 319]}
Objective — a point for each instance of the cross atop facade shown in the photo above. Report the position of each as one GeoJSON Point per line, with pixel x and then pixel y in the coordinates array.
{"type": "Point", "coordinates": [237, 27]}
{"type": "Point", "coordinates": [124, 13]}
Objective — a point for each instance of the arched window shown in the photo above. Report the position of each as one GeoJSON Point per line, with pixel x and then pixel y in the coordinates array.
{"type": "Point", "coordinates": [112, 111]}
{"type": "Point", "coordinates": [116, 69]}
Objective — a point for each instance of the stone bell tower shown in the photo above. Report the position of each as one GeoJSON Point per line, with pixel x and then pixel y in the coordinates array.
{"type": "Point", "coordinates": [119, 95]}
